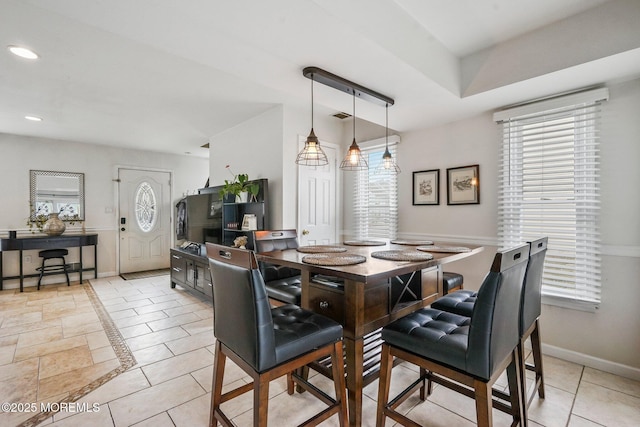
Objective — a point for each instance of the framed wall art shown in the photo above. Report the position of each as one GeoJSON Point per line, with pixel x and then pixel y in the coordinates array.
{"type": "Point", "coordinates": [426, 187]}
{"type": "Point", "coordinates": [463, 185]}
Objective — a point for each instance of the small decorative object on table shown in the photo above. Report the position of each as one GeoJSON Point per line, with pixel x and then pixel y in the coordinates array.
{"type": "Point", "coordinates": [54, 225]}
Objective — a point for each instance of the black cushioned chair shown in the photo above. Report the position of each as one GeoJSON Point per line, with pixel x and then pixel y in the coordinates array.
{"type": "Point", "coordinates": [473, 352]}
{"type": "Point", "coordinates": [49, 254]}
{"type": "Point", "coordinates": [267, 343]}
{"type": "Point", "coordinates": [463, 302]}
{"type": "Point", "coordinates": [451, 281]}
{"type": "Point", "coordinates": [282, 283]}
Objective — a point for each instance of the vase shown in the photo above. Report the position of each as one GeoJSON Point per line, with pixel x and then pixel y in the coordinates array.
{"type": "Point", "coordinates": [243, 197]}
{"type": "Point", "coordinates": [54, 225]}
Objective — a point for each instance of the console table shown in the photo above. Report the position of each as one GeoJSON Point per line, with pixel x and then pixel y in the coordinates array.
{"type": "Point", "coordinates": [48, 242]}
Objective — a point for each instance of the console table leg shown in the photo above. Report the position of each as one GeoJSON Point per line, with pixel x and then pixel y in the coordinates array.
{"type": "Point", "coordinates": [80, 264]}
{"type": "Point", "coordinates": [21, 273]}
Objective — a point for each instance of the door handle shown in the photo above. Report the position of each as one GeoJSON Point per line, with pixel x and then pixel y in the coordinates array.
{"type": "Point", "coordinates": [305, 232]}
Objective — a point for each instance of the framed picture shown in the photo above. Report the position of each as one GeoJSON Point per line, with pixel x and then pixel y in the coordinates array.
{"type": "Point", "coordinates": [426, 187]}
{"type": "Point", "coordinates": [463, 185]}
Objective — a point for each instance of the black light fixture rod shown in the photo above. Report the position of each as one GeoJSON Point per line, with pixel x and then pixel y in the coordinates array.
{"type": "Point", "coordinates": [321, 76]}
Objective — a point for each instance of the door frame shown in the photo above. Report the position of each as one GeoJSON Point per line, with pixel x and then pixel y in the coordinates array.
{"type": "Point", "coordinates": [116, 202]}
{"type": "Point", "coordinates": [338, 176]}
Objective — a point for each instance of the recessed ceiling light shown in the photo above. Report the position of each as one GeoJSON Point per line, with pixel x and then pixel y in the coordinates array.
{"type": "Point", "coordinates": [23, 52]}
{"type": "Point", "coordinates": [33, 118]}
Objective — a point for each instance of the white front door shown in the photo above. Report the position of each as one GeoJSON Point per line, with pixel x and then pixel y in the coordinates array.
{"type": "Point", "coordinates": [317, 201]}
{"type": "Point", "coordinates": [145, 219]}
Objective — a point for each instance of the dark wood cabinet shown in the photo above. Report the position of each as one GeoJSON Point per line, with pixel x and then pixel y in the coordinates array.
{"type": "Point", "coordinates": [191, 272]}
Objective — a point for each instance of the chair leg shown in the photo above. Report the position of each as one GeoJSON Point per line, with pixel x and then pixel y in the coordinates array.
{"type": "Point", "coordinates": [261, 401]}
{"type": "Point", "coordinates": [516, 387]}
{"type": "Point", "coordinates": [41, 273]}
{"type": "Point", "coordinates": [339, 382]}
{"type": "Point", "coordinates": [484, 403]}
{"type": "Point", "coordinates": [218, 378]}
{"type": "Point", "coordinates": [537, 357]}
{"type": "Point", "coordinates": [384, 384]}
{"type": "Point", "coordinates": [66, 273]}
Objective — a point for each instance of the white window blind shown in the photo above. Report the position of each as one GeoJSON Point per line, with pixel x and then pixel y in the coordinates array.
{"type": "Point", "coordinates": [549, 186]}
{"type": "Point", "coordinates": [375, 196]}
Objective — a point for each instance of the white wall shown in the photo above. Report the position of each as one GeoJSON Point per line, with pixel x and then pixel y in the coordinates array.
{"type": "Point", "coordinates": [266, 146]}
{"type": "Point", "coordinates": [607, 339]}
{"type": "Point", "coordinates": [98, 163]}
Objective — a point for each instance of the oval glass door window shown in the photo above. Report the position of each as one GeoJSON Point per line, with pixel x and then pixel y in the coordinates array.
{"type": "Point", "coordinates": [146, 208]}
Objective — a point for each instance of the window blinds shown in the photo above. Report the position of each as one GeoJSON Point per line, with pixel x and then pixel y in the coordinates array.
{"type": "Point", "coordinates": [549, 186]}
{"type": "Point", "coordinates": [375, 197]}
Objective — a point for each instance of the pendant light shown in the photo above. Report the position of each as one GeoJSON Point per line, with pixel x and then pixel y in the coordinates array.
{"type": "Point", "coordinates": [388, 165]}
{"type": "Point", "coordinates": [354, 160]}
{"type": "Point", "coordinates": [312, 154]}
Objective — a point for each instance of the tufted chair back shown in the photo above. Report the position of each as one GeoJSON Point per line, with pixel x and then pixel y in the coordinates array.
{"type": "Point", "coordinates": [242, 314]}
{"type": "Point", "coordinates": [276, 240]}
{"type": "Point", "coordinates": [494, 331]}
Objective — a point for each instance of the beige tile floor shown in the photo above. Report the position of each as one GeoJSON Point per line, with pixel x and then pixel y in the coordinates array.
{"type": "Point", "coordinates": [51, 343]}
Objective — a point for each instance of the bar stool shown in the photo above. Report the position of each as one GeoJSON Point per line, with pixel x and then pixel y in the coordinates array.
{"type": "Point", "coordinates": [48, 254]}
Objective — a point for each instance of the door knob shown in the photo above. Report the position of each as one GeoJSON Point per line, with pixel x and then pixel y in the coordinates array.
{"type": "Point", "coordinates": [305, 232]}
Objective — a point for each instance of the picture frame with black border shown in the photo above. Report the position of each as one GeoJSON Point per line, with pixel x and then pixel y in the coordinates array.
{"type": "Point", "coordinates": [426, 187]}
{"type": "Point", "coordinates": [463, 185]}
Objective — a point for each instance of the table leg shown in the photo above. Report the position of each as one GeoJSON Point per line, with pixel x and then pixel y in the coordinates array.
{"type": "Point", "coordinates": [1, 273]}
{"type": "Point", "coordinates": [354, 361]}
{"type": "Point", "coordinates": [81, 267]}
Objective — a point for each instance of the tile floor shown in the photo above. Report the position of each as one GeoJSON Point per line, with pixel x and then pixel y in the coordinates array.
{"type": "Point", "coordinates": [52, 343]}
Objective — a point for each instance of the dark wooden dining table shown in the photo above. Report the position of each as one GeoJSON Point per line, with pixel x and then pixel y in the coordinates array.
{"type": "Point", "coordinates": [365, 297]}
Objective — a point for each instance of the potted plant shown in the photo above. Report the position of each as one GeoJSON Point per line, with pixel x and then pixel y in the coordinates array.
{"type": "Point", "coordinates": [240, 187]}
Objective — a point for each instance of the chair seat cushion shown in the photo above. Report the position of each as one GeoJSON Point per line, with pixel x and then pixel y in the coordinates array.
{"type": "Point", "coordinates": [287, 290]}
{"type": "Point", "coordinates": [434, 334]}
{"type": "Point", "coordinates": [459, 302]}
{"type": "Point", "coordinates": [298, 331]}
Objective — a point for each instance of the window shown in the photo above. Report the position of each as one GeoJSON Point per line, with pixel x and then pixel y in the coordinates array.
{"type": "Point", "coordinates": [376, 195]}
{"type": "Point", "coordinates": [549, 186]}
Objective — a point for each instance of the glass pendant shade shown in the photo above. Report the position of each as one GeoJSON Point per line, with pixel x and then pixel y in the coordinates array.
{"type": "Point", "coordinates": [354, 160]}
{"type": "Point", "coordinates": [312, 154]}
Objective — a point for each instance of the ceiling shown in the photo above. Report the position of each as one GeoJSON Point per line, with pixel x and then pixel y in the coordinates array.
{"type": "Point", "coordinates": [168, 75]}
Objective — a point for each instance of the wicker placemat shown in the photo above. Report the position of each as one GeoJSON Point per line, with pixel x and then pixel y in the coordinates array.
{"type": "Point", "coordinates": [320, 249]}
{"type": "Point", "coordinates": [445, 249]}
{"type": "Point", "coordinates": [333, 260]}
{"type": "Point", "coordinates": [395, 255]}
{"type": "Point", "coordinates": [365, 243]}
{"type": "Point", "coordinates": [411, 242]}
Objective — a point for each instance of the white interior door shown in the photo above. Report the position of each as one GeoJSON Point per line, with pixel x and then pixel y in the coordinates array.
{"type": "Point", "coordinates": [145, 219]}
{"type": "Point", "coordinates": [317, 201]}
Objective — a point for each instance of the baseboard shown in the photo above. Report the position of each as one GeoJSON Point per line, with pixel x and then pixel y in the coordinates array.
{"type": "Point", "coordinates": [592, 362]}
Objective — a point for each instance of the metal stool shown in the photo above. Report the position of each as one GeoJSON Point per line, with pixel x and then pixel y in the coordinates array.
{"type": "Point", "coordinates": [55, 268]}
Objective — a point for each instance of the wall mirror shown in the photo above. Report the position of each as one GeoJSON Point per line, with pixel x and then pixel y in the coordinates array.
{"type": "Point", "coordinates": [57, 192]}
